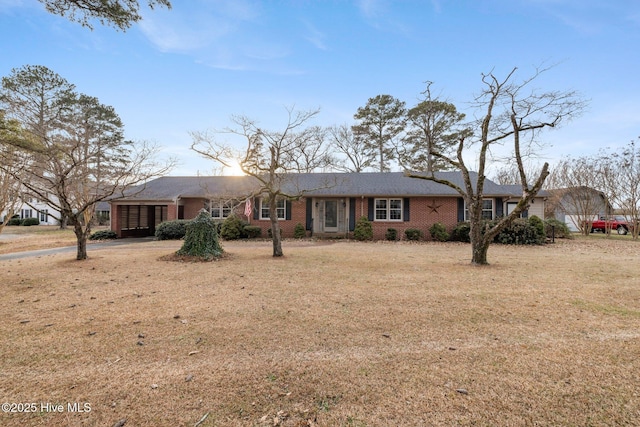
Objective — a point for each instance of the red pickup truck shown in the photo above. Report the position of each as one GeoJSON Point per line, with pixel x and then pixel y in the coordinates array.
{"type": "Point", "coordinates": [618, 223]}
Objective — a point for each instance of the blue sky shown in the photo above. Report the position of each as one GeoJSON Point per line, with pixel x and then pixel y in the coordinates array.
{"type": "Point", "coordinates": [191, 68]}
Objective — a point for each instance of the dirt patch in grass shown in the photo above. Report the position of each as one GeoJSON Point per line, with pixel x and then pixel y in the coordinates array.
{"type": "Point", "coordinates": [344, 334]}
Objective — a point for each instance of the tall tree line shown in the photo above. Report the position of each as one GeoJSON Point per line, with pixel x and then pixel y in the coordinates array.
{"type": "Point", "coordinates": [67, 149]}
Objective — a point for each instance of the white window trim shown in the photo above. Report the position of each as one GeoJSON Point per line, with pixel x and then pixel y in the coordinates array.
{"type": "Point", "coordinates": [388, 210]}
{"type": "Point", "coordinates": [493, 209]}
{"type": "Point", "coordinates": [282, 210]}
{"type": "Point", "coordinates": [220, 205]}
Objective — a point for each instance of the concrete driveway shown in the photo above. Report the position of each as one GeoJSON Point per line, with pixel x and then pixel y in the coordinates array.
{"type": "Point", "coordinates": [90, 248]}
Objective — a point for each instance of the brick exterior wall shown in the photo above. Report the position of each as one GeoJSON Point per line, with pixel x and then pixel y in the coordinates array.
{"type": "Point", "coordinates": [423, 213]}
{"type": "Point", "coordinates": [298, 215]}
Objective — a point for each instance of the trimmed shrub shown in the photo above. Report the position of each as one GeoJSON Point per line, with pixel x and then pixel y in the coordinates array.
{"type": "Point", "coordinates": [537, 223]}
{"type": "Point", "coordinates": [232, 228]}
{"type": "Point", "coordinates": [103, 235]}
{"type": "Point", "coordinates": [559, 229]}
{"type": "Point", "coordinates": [252, 231]}
{"type": "Point", "coordinates": [461, 232]}
{"type": "Point", "coordinates": [14, 221]}
{"type": "Point", "coordinates": [520, 232]}
{"type": "Point", "coordinates": [172, 230]}
{"type": "Point", "coordinates": [299, 232]}
{"type": "Point", "coordinates": [30, 221]}
{"type": "Point", "coordinates": [201, 239]}
{"type": "Point", "coordinates": [391, 234]}
{"type": "Point", "coordinates": [363, 229]}
{"type": "Point", "coordinates": [439, 232]}
{"type": "Point", "coordinates": [413, 234]}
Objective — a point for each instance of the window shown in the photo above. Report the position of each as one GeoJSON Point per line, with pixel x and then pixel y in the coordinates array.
{"type": "Point", "coordinates": [44, 214]}
{"type": "Point", "coordinates": [220, 209]}
{"type": "Point", "coordinates": [487, 210]}
{"type": "Point", "coordinates": [388, 209]}
{"type": "Point", "coordinates": [26, 213]}
{"type": "Point", "coordinates": [281, 208]}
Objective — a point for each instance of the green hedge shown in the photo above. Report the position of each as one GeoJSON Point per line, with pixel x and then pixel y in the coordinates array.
{"type": "Point", "coordinates": [521, 231]}
{"type": "Point", "coordinates": [557, 229]}
{"type": "Point", "coordinates": [172, 230]}
{"type": "Point", "coordinates": [413, 234]}
{"type": "Point", "coordinates": [391, 234]}
{"type": "Point", "coordinates": [30, 221]}
{"type": "Point", "coordinates": [103, 235]}
{"type": "Point", "coordinates": [14, 221]}
{"type": "Point", "coordinates": [252, 231]}
{"type": "Point", "coordinates": [232, 228]}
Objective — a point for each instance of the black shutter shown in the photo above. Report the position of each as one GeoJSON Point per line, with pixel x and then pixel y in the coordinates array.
{"type": "Point", "coordinates": [460, 209]}
{"type": "Point", "coordinates": [370, 208]}
{"type": "Point", "coordinates": [499, 207]}
{"type": "Point", "coordinates": [287, 209]}
{"type": "Point", "coordinates": [256, 208]}
{"type": "Point", "coordinates": [309, 214]}
{"type": "Point", "coordinates": [352, 213]}
{"type": "Point", "coordinates": [525, 213]}
{"type": "Point", "coordinates": [405, 209]}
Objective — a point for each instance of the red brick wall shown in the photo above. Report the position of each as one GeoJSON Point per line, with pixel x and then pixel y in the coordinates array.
{"type": "Point", "coordinates": [423, 213]}
{"type": "Point", "coordinates": [298, 215]}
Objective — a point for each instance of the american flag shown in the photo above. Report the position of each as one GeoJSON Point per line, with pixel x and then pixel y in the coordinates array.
{"type": "Point", "coordinates": [247, 208]}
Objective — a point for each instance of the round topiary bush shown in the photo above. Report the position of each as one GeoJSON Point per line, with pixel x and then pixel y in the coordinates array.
{"type": "Point", "coordinates": [201, 239]}
{"type": "Point", "coordinates": [363, 229]}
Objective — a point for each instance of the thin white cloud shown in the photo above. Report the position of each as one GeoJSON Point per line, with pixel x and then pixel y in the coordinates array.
{"type": "Point", "coordinates": [315, 36]}
{"type": "Point", "coordinates": [225, 34]}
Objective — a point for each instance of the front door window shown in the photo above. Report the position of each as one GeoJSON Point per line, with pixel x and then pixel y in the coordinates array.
{"type": "Point", "coordinates": [331, 215]}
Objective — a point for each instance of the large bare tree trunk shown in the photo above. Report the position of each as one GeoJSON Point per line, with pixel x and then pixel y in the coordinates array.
{"type": "Point", "coordinates": [275, 228]}
{"type": "Point", "coordinates": [81, 237]}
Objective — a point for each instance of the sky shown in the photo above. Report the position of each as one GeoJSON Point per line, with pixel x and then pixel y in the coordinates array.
{"type": "Point", "coordinates": [193, 67]}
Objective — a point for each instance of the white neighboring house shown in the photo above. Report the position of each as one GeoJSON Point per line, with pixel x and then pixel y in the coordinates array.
{"type": "Point", "coordinates": [34, 208]}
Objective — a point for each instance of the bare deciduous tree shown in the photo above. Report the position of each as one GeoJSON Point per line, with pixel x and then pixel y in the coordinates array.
{"type": "Point", "coordinates": [620, 175]}
{"type": "Point", "coordinates": [510, 113]}
{"type": "Point", "coordinates": [77, 155]}
{"type": "Point", "coordinates": [575, 188]}
{"type": "Point", "coordinates": [351, 146]}
{"type": "Point", "coordinates": [270, 157]}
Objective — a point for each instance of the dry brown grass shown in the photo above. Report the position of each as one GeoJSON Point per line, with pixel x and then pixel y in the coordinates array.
{"type": "Point", "coordinates": [20, 239]}
{"type": "Point", "coordinates": [343, 334]}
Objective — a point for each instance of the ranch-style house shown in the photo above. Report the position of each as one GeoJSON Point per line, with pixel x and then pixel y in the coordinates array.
{"type": "Point", "coordinates": [328, 206]}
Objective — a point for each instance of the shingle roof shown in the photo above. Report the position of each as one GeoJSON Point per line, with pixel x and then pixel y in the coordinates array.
{"type": "Point", "coordinates": [314, 184]}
